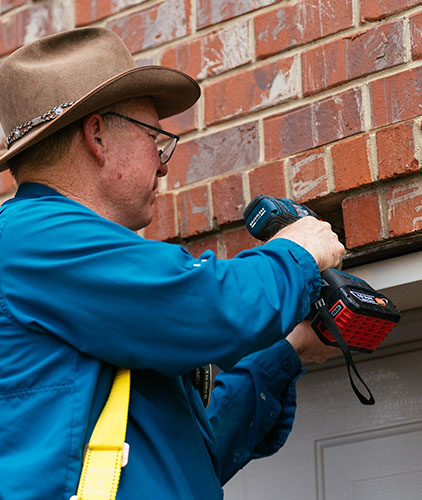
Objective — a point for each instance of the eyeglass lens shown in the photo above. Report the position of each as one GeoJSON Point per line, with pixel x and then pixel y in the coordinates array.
{"type": "Point", "coordinates": [167, 151]}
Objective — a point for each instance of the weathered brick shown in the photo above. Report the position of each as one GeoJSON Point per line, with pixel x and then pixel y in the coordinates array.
{"type": "Point", "coordinates": [294, 25]}
{"type": "Point", "coordinates": [396, 98]}
{"type": "Point", "coordinates": [6, 5]}
{"type": "Point", "coordinates": [268, 179]}
{"type": "Point", "coordinates": [226, 151]}
{"type": "Point", "coordinates": [144, 60]}
{"type": "Point", "coordinates": [313, 125]}
{"type": "Point", "coordinates": [155, 26]}
{"type": "Point", "coordinates": [212, 54]}
{"type": "Point", "coordinates": [416, 35]}
{"type": "Point", "coordinates": [405, 208]}
{"type": "Point", "coordinates": [89, 11]}
{"type": "Point", "coordinates": [198, 246]}
{"type": "Point", "coordinates": [341, 60]}
{"type": "Point", "coordinates": [238, 240]}
{"type": "Point", "coordinates": [251, 90]}
{"type": "Point", "coordinates": [308, 176]}
{"type": "Point", "coordinates": [12, 31]}
{"type": "Point", "coordinates": [29, 24]}
{"type": "Point", "coordinates": [181, 123]}
{"type": "Point", "coordinates": [193, 211]}
{"type": "Point", "coordinates": [351, 163]}
{"type": "Point", "coordinates": [373, 10]}
{"type": "Point", "coordinates": [163, 226]}
{"type": "Point", "coordinates": [396, 150]}
{"type": "Point", "coordinates": [228, 201]}
{"type": "Point", "coordinates": [358, 209]}
{"type": "Point", "coordinates": [215, 11]}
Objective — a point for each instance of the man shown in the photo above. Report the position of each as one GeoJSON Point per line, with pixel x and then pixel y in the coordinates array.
{"type": "Point", "coordinates": [82, 294]}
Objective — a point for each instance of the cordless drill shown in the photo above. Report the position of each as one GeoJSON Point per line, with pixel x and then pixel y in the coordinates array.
{"type": "Point", "coordinates": [349, 314]}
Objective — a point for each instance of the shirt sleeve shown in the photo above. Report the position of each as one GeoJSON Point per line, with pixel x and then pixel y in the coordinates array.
{"type": "Point", "coordinates": [144, 304]}
{"type": "Point", "coordinates": [253, 406]}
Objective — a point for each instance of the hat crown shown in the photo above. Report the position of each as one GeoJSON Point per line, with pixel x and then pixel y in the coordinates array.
{"type": "Point", "coordinates": [58, 69]}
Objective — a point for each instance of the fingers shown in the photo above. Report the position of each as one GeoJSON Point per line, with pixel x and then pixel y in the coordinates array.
{"type": "Point", "coordinates": [308, 346]}
{"type": "Point", "coordinates": [318, 238]}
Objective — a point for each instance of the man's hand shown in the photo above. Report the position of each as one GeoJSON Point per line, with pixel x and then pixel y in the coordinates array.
{"type": "Point", "coordinates": [318, 239]}
{"type": "Point", "coordinates": [308, 346]}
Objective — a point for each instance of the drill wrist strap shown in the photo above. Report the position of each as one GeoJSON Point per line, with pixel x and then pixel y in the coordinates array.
{"type": "Point", "coordinates": [338, 337]}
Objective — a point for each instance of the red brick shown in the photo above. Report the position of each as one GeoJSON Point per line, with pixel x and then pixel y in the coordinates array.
{"type": "Point", "coordinates": [396, 98]}
{"type": "Point", "coordinates": [144, 60]}
{"type": "Point", "coordinates": [12, 31]}
{"type": "Point", "coordinates": [165, 22]}
{"type": "Point", "coordinates": [416, 35]}
{"type": "Point", "coordinates": [405, 208]}
{"type": "Point", "coordinates": [212, 54]}
{"type": "Point", "coordinates": [341, 60]}
{"type": "Point", "coordinates": [213, 12]}
{"type": "Point", "coordinates": [268, 179]}
{"type": "Point", "coordinates": [181, 123]}
{"type": "Point", "coordinates": [294, 25]}
{"type": "Point", "coordinates": [308, 176]}
{"type": "Point", "coordinates": [238, 240]}
{"type": "Point", "coordinates": [88, 11]}
{"type": "Point", "coordinates": [357, 209]}
{"type": "Point", "coordinates": [212, 155]}
{"type": "Point", "coordinates": [198, 246]}
{"type": "Point", "coordinates": [228, 201]}
{"type": "Point", "coordinates": [163, 226]}
{"type": "Point", "coordinates": [396, 151]}
{"type": "Point", "coordinates": [6, 5]}
{"type": "Point", "coordinates": [372, 10]}
{"type": "Point", "coordinates": [193, 211]}
{"type": "Point", "coordinates": [251, 90]}
{"type": "Point", "coordinates": [313, 125]}
{"type": "Point", "coordinates": [186, 57]}
{"type": "Point", "coordinates": [27, 25]}
{"type": "Point", "coordinates": [351, 164]}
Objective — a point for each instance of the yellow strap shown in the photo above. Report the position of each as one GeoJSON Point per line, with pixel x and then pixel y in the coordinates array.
{"type": "Point", "coordinates": [104, 455]}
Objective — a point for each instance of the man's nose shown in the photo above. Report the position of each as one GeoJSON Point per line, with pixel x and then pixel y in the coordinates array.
{"type": "Point", "coordinates": [162, 169]}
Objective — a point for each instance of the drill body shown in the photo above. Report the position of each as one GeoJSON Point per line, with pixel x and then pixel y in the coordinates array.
{"type": "Point", "coordinates": [363, 315]}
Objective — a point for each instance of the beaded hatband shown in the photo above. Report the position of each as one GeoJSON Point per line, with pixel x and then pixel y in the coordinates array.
{"type": "Point", "coordinates": [21, 130]}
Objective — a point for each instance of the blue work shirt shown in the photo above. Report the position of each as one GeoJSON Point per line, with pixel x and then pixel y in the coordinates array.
{"type": "Point", "coordinates": [81, 295]}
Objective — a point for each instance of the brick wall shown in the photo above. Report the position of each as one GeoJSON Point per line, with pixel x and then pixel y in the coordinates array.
{"type": "Point", "coordinates": [318, 100]}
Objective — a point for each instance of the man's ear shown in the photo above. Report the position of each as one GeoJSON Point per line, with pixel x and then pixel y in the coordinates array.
{"type": "Point", "coordinates": [94, 136]}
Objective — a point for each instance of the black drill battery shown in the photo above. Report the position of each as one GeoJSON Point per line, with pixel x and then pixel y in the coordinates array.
{"type": "Point", "coordinates": [363, 315]}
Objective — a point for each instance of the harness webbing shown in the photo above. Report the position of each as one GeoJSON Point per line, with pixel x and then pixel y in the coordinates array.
{"type": "Point", "coordinates": [106, 452]}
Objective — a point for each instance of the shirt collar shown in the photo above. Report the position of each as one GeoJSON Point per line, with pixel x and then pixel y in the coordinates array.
{"type": "Point", "coordinates": [35, 190]}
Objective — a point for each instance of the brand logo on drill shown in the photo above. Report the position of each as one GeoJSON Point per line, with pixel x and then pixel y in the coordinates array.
{"type": "Point", "coordinates": [369, 299]}
{"type": "Point", "coordinates": [258, 215]}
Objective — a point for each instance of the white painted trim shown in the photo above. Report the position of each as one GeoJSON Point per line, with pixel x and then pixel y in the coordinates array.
{"type": "Point", "coordinates": [399, 278]}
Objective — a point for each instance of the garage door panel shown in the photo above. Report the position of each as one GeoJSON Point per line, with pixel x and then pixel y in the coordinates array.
{"type": "Point", "coordinates": [334, 436]}
{"type": "Point", "coordinates": [381, 464]}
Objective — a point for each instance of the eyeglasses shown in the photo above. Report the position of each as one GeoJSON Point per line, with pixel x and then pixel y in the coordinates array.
{"type": "Point", "coordinates": [169, 147]}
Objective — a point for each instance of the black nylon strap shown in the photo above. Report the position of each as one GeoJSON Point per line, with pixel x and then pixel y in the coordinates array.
{"type": "Point", "coordinates": [338, 337]}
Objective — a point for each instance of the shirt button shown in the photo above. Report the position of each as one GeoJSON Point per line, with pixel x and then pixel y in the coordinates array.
{"type": "Point", "coordinates": [285, 365]}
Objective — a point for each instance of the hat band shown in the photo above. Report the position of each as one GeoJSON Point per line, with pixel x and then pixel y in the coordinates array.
{"type": "Point", "coordinates": [21, 130]}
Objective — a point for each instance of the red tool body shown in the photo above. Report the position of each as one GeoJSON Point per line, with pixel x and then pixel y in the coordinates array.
{"type": "Point", "coordinates": [349, 313]}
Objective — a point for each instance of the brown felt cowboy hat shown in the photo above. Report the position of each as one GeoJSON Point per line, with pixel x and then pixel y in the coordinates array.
{"type": "Point", "coordinates": [53, 82]}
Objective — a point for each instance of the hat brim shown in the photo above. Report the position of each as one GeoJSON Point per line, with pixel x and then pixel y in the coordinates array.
{"type": "Point", "coordinates": [172, 91]}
